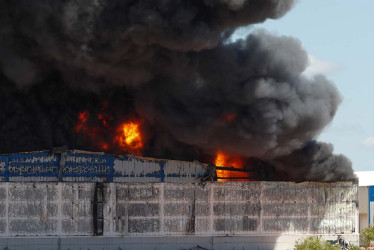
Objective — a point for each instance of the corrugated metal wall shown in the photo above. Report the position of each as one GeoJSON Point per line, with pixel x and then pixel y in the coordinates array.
{"type": "Point", "coordinates": [160, 209]}
{"type": "Point", "coordinates": [80, 166]}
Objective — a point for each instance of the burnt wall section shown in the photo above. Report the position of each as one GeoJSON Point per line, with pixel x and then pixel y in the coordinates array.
{"type": "Point", "coordinates": [161, 209]}
{"type": "Point", "coordinates": [83, 166]}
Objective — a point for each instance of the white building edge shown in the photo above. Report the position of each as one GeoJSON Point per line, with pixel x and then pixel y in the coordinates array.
{"type": "Point", "coordinates": [366, 198]}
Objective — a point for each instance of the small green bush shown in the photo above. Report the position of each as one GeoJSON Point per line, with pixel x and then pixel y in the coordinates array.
{"type": "Point", "coordinates": [354, 247]}
{"type": "Point", "coordinates": [314, 243]}
{"type": "Point", "coordinates": [366, 235]}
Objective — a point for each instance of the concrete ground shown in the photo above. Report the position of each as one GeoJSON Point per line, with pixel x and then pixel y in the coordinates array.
{"type": "Point", "coordinates": [277, 242]}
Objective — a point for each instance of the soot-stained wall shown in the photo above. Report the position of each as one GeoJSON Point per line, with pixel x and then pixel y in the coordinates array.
{"type": "Point", "coordinates": [160, 209]}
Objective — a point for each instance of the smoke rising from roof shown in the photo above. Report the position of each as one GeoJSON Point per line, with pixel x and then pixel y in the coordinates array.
{"type": "Point", "coordinates": [169, 63]}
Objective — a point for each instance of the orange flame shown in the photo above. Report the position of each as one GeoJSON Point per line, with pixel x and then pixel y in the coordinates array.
{"type": "Point", "coordinates": [223, 160]}
{"type": "Point", "coordinates": [129, 137]}
{"type": "Point", "coordinates": [82, 120]}
{"type": "Point", "coordinates": [97, 129]}
{"type": "Point", "coordinates": [104, 146]}
{"type": "Point", "coordinates": [103, 120]}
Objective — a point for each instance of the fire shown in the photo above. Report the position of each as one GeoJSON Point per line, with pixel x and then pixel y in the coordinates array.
{"type": "Point", "coordinates": [103, 120]}
{"type": "Point", "coordinates": [129, 137]}
{"type": "Point", "coordinates": [223, 160]}
{"type": "Point", "coordinates": [82, 121]}
{"type": "Point", "coordinates": [230, 117]}
{"type": "Point", "coordinates": [104, 146]}
{"type": "Point", "coordinates": [98, 129]}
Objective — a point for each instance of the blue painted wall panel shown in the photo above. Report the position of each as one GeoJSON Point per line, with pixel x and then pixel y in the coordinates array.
{"type": "Point", "coordinates": [371, 193]}
{"type": "Point", "coordinates": [84, 166]}
{"type": "Point", "coordinates": [4, 168]}
{"type": "Point", "coordinates": [87, 165]}
{"type": "Point", "coordinates": [40, 164]}
{"type": "Point", "coordinates": [371, 205]}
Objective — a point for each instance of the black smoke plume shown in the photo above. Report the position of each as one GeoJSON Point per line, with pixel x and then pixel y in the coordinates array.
{"type": "Point", "coordinates": [170, 63]}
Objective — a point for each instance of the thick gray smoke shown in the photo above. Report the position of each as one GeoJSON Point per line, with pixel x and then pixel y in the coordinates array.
{"type": "Point", "coordinates": [168, 62]}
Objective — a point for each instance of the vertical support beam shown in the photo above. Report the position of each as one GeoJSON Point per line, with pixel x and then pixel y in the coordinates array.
{"type": "Point", "coordinates": [111, 170]}
{"type": "Point", "coordinates": [211, 210]}
{"type": "Point", "coordinates": [7, 208]}
{"type": "Point", "coordinates": [127, 203]}
{"type": "Point", "coordinates": [310, 205]}
{"type": "Point", "coordinates": [357, 215]}
{"type": "Point", "coordinates": [59, 208]}
{"type": "Point", "coordinates": [370, 200]}
{"type": "Point", "coordinates": [98, 216]}
{"type": "Point", "coordinates": [192, 222]}
{"type": "Point", "coordinates": [7, 169]}
{"type": "Point", "coordinates": [162, 171]}
{"type": "Point", "coordinates": [162, 208]}
{"type": "Point", "coordinates": [110, 208]}
{"type": "Point", "coordinates": [61, 166]}
{"type": "Point", "coordinates": [259, 228]}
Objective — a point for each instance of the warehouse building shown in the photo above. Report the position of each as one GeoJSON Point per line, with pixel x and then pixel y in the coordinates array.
{"type": "Point", "coordinates": [83, 200]}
